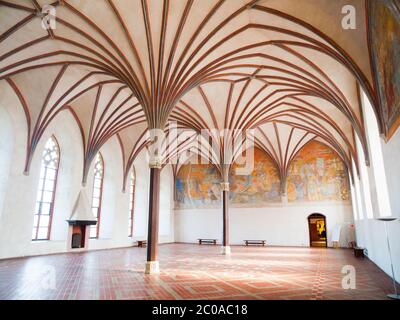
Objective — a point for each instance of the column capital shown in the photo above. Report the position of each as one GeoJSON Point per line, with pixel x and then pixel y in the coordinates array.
{"type": "Point", "coordinates": [225, 186]}
{"type": "Point", "coordinates": [155, 162]}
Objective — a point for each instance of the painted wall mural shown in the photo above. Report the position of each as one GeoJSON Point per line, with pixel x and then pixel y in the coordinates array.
{"type": "Point", "coordinates": [198, 186]}
{"type": "Point", "coordinates": [317, 174]}
{"type": "Point", "coordinates": [384, 38]}
{"type": "Point", "coordinates": [261, 187]}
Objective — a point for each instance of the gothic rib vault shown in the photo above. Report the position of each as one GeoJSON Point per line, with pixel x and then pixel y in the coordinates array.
{"type": "Point", "coordinates": [123, 67]}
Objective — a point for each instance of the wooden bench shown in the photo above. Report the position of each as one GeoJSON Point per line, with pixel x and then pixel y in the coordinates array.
{"type": "Point", "coordinates": [142, 243]}
{"type": "Point", "coordinates": [359, 252]}
{"type": "Point", "coordinates": [255, 242]}
{"type": "Point", "coordinates": [210, 241]}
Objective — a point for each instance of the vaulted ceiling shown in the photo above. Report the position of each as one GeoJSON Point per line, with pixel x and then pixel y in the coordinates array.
{"type": "Point", "coordinates": [284, 68]}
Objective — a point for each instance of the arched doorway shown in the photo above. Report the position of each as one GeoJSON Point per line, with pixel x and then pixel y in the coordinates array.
{"type": "Point", "coordinates": [317, 229]}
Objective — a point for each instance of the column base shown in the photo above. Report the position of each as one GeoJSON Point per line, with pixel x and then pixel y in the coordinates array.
{"type": "Point", "coordinates": [152, 267]}
{"type": "Point", "coordinates": [226, 250]}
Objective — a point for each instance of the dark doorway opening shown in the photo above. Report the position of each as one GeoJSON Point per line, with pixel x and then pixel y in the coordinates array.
{"type": "Point", "coordinates": [317, 229]}
{"type": "Point", "coordinates": [78, 236]}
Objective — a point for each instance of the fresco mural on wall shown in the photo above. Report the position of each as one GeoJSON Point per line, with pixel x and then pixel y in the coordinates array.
{"type": "Point", "coordinates": [317, 174]}
{"type": "Point", "coordinates": [384, 38]}
{"type": "Point", "coordinates": [198, 186]}
{"type": "Point", "coordinates": [262, 186]}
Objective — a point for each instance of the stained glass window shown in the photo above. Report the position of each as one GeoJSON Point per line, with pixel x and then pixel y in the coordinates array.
{"type": "Point", "coordinates": [97, 194]}
{"type": "Point", "coordinates": [46, 191]}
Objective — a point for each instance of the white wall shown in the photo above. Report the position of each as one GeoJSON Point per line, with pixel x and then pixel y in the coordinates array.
{"type": "Point", "coordinates": [281, 225]}
{"type": "Point", "coordinates": [6, 150]}
{"type": "Point", "coordinates": [19, 202]}
{"type": "Point", "coordinates": [370, 232]}
{"type": "Point", "coordinates": [18, 191]}
{"type": "Point", "coordinates": [391, 156]}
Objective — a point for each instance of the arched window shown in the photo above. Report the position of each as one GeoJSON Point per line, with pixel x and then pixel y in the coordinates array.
{"type": "Point", "coordinates": [97, 194]}
{"type": "Point", "coordinates": [46, 191]}
{"type": "Point", "coordinates": [131, 202]}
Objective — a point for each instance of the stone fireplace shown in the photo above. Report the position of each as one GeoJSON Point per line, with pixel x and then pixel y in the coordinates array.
{"type": "Point", "coordinates": [78, 224]}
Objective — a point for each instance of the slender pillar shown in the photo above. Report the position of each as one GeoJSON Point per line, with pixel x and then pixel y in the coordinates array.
{"type": "Point", "coordinates": [284, 196]}
{"type": "Point", "coordinates": [226, 249]}
{"type": "Point", "coordinates": [152, 265]}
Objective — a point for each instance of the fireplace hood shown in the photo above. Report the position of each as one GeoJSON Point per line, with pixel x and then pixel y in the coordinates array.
{"type": "Point", "coordinates": [82, 213]}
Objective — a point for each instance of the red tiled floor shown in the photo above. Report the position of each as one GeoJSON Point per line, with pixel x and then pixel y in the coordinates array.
{"type": "Point", "coordinates": [193, 272]}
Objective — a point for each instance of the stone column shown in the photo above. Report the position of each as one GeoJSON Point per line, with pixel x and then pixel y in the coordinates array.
{"type": "Point", "coordinates": [226, 249]}
{"type": "Point", "coordinates": [284, 196]}
{"type": "Point", "coordinates": [152, 265]}
{"type": "Point", "coordinates": [284, 199]}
